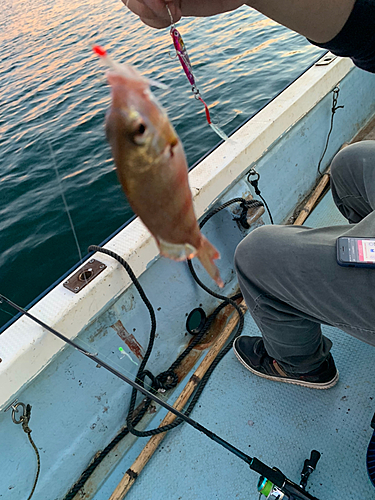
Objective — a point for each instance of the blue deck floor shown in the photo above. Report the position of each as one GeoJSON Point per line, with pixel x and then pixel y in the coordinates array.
{"type": "Point", "coordinates": [278, 423]}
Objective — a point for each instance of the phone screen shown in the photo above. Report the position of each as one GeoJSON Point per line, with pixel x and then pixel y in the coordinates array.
{"type": "Point", "coordinates": [366, 250]}
{"type": "Point", "coordinates": [352, 250]}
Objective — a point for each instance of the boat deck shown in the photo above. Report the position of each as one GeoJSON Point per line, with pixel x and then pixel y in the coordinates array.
{"type": "Point", "coordinates": [278, 423]}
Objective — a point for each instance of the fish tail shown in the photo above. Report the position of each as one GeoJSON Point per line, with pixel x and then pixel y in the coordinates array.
{"type": "Point", "coordinates": [176, 251]}
{"type": "Point", "coordinates": [207, 253]}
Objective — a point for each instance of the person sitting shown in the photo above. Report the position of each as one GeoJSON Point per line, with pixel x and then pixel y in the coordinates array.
{"type": "Point", "coordinates": [289, 275]}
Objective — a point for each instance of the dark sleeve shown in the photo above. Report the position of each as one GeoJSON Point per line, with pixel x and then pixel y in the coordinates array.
{"type": "Point", "coordinates": [357, 37]}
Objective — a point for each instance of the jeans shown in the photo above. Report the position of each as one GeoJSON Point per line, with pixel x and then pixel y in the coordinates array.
{"type": "Point", "coordinates": [290, 278]}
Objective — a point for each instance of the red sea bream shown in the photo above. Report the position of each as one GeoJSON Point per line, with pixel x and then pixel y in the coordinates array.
{"type": "Point", "coordinates": [152, 169]}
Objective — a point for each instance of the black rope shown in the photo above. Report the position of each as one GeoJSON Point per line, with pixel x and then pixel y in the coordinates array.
{"type": "Point", "coordinates": [242, 219]}
{"type": "Point", "coordinates": [334, 108]}
{"type": "Point", "coordinates": [99, 457]}
{"type": "Point", "coordinates": [226, 301]}
{"type": "Point", "coordinates": [167, 379]}
{"type": "Point", "coordinates": [25, 426]}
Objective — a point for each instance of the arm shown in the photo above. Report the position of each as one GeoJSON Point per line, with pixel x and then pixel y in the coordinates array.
{"type": "Point", "coordinates": [319, 20]}
{"type": "Point", "coordinates": [345, 27]}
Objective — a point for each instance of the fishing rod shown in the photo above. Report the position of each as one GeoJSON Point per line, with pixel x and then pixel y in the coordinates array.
{"type": "Point", "coordinates": [273, 484]}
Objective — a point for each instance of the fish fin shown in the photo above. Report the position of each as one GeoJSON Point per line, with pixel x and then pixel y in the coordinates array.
{"type": "Point", "coordinates": [206, 254]}
{"type": "Point", "coordinates": [176, 251]}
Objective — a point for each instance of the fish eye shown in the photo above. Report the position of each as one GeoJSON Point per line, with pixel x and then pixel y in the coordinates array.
{"type": "Point", "coordinates": [139, 133]}
{"type": "Point", "coordinates": [141, 129]}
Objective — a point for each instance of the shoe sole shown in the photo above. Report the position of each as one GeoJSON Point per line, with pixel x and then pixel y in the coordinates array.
{"type": "Point", "coordinates": [311, 385]}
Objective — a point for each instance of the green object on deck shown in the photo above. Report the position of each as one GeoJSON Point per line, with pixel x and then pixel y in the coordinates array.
{"type": "Point", "coordinates": [264, 486]}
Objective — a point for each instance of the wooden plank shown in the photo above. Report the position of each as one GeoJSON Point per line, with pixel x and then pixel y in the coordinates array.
{"type": "Point", "coordinates": [307, 209]}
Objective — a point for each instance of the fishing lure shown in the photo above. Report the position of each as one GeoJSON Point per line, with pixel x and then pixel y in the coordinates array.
{"type": "Point", "coordinates": [183, 57]}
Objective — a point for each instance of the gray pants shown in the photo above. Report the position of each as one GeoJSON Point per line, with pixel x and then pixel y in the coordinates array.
{"type": "Point", "coordinates": [290, 278]}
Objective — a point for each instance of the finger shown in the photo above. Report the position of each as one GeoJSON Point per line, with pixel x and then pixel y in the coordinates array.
{"type": "Point", "coordinates": [157, 16]}
{"type": "Point", "coordinates": [139, 8]}
{"type": "Point", "coordinates": [159, 7]}
{"type": "Point", "coordinates": [155, 22]}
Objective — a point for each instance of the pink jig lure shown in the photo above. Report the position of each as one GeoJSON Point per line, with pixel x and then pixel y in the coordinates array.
{"type": "Point", "coordinates": [186, 65]}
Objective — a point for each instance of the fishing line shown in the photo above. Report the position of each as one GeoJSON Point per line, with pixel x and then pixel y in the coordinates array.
{"type": "Point", "coordinates": [64, 199]}
{"type": "Point", "coordinates": [7, 312]}
{"type": "Point", "coordinates": [81, 343]}
{"type": "Point", "coordinates": [255, 184]}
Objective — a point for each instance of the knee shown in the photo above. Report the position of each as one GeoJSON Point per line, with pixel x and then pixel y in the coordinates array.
{"type": "Point", "coordinates": [341, 163]}
{"type": "Point", "coordinates": [271, 254]}
{"type": "Point", "coordinates": [350, 159]}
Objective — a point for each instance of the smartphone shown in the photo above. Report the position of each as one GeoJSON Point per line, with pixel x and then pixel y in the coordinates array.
{"type": "Point", "coordinates": [356, 252]}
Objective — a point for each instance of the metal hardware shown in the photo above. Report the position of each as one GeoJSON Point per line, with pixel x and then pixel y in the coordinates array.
{"type": "Point", "coordinates": [248, 212]}
{"type": "Point", "coordinates": [24, 420]}
{"type": "Point", "coordinates": [253, 214]}
{"type": "Point", "coordinates": [15, 410]}
{"type": "Point", "coordinates": [252, 171]}
{"type": "Point", "coordinates": [327, 59]}
{"type": "Point", "coordinates": [14, 406]}
{"type": "Point", "coordinates": [11, 405]}
{"type": "Point", "coordinates": [84, 275]}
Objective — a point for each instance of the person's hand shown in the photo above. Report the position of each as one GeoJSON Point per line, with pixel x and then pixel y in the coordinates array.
{"type": "Point", "coordinates": [154, 13]}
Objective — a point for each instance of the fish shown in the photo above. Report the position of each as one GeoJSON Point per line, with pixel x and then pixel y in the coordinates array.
{"type": "Point", "coordinates": [152, 168]}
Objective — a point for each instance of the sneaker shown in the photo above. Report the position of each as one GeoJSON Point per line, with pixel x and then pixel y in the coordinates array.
{"type": "Point", "coordinates": [251, 352]}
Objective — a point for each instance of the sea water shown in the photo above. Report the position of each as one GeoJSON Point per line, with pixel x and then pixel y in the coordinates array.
{"type": "Point", "coordinates": [53, 91]}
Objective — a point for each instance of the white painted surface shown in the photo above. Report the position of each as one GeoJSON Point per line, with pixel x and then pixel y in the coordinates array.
{"type": "Point", "coordinates": [25, 348]}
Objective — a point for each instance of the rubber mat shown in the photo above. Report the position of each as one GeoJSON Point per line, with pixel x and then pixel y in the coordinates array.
{"type": "Point", "coordinates": [325, 214]}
